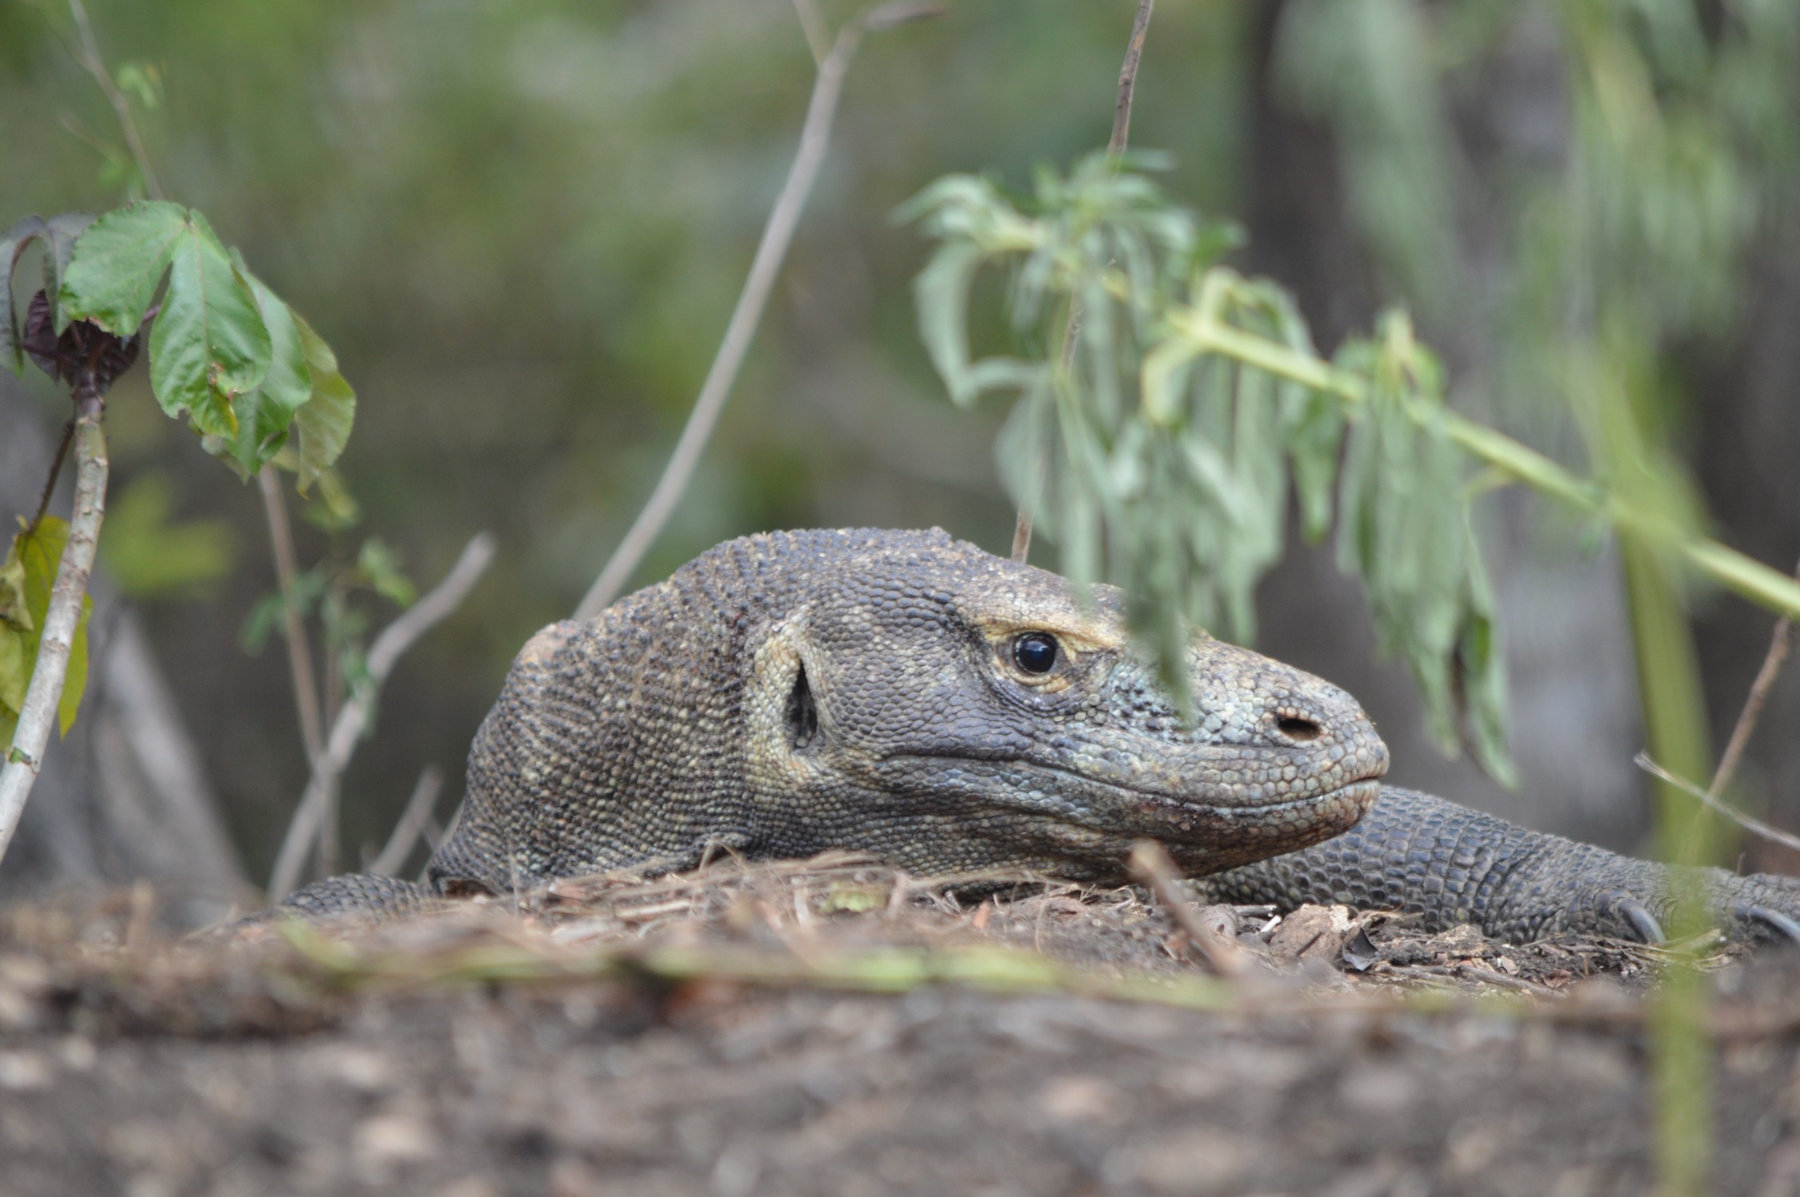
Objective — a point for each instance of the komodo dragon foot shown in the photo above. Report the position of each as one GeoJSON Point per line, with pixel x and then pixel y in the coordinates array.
{"type": "Point", "coordinates": [1418, 853]}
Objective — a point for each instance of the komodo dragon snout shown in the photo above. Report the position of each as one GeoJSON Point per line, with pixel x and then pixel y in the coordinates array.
{"type": "Point", "coordinates": [902, 693]}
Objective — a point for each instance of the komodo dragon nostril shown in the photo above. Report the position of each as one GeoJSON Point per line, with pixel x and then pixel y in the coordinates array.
{"type": "Point", "coordinates": [1293, 727]}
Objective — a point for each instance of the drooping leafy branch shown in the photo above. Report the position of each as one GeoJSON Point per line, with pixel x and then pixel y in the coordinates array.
{"type": "Point", "coordinates": [1193, 401]}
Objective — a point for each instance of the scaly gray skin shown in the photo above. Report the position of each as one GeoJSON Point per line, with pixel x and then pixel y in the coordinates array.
{"type": "Point", "coordinates": [792, 692]}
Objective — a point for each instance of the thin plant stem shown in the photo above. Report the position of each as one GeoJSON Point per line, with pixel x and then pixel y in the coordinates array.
{"type": "Point", "coordinates": [96, 66]}
{"type": "Point", "coordinates": [812, 26]}
{"type": "Point", "coordinates": [353, 720]}
{"type": "Point", "coordinates": [1753, 703]}
{"type": "Point", "coordinates": [411, 824]}
{"type": "Point", "coordinates": [1151, 867]}
{"type": "Point", "coordinates": [1709, 799]}
{"type": "Point", "coordinates": [1727, 567]}
{"type": "Point", "coordinates": [62, 452]}
{"type": "Point", "coordinates": [778, 233]}
{"type": "Point", "coordinates": [63, 616]}
{"type": "Point", "coordinates": [287, 573]}
{"type": "Point", "coordinates": [1115, 147]}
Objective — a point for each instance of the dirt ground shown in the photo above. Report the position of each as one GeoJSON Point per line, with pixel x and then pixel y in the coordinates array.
{"type": "Point", "coordinates": [833, 1028]}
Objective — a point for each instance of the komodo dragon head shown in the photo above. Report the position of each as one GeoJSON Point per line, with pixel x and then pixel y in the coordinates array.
{"type": "Point", "coordinates": [902, 693]}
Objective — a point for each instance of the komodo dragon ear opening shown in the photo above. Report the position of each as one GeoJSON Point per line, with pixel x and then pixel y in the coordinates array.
{"type": "Point", "coordinates": [802, 711]}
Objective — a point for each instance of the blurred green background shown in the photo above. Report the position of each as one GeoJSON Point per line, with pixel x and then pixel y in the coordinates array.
{"type": "Point", "coordinates": [522, 226]}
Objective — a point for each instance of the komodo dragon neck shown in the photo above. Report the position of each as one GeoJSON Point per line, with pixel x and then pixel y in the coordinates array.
{"type": "Point", "coordinates": [899, 692]}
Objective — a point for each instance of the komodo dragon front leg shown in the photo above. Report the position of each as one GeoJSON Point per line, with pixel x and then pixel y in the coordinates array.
{"type": "Point", "coordinates": [909, 695]}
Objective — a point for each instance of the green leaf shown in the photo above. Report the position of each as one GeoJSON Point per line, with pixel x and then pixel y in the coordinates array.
{"type": "Point", "coordinates": [266, 414]}
{"type": "Point", "coordinates": [143, 80]}
{"type": "Point", "coordinates": [209, 344]}
{"type": "Point", "coordinates": [322, 425]}
{"type": "Point", "coordinates": [150, 555]}
{"type": "Point", "coordinates": [380, 567]}
{"type": "Point", "coordinates": [941, 293]}
{"type": "Point", "coordinates": [119, 263]}
{"type": "Point", "coordinates": [264, 616]}
{"type": "Point", "coordinates": [26, 578]}
{"type": "Point", "coordinates": [75, 677]}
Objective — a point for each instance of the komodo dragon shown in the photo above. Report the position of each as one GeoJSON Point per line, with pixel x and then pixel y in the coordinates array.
{"type": "Point", "coordinates": [909, 695]}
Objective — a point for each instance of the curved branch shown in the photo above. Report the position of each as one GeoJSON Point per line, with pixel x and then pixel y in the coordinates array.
{"type": "Point", "coordinates": [815, 136]}
{"type": "Point", "coordinates": [353, 719]}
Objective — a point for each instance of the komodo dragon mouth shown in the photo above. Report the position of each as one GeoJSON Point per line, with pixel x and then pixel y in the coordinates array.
{"type": "Point", "coordinates": [1213, 814]}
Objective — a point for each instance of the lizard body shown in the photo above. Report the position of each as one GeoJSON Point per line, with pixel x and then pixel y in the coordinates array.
{"type": "Point", "coordinates": [910, 695]}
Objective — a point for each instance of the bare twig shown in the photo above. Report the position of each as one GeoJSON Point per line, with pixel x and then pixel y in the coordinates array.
{"type": "Point", "coordinates": [287, 572]}
{"type": "Point", "coordinates": [1753, 703]}
{"type": "Point", "coordinates": [1713, 802]}
{"type": "Point", "coordinates": [1115, 146]}
{"type": "Point", "coordinates": [96, 66]}
{"type": "Point", "coordinates": [1150, 866]}
{"type": "Point", "coordinates": [1134, 50]}
{"type": "Point", "coordinates": [412, 822]}
{"type": "Point", "coordinates": [812, 25]}
{"type": "Point", "coordinates": [32, 733]}
{"type": "Point", "coordinates": [353, 720]}
{"type": "Point", "coordinates": [56, 464]}
{"type": "Point", "coordinates": [778, 233]}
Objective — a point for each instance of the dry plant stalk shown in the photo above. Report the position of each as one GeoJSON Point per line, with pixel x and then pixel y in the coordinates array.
{"type": "Point", "coordinates": [777, 235]}
{"type": "Point", "coordinates": [353, 720]}
{"type": "Point", "coordinates": [1151, 867]}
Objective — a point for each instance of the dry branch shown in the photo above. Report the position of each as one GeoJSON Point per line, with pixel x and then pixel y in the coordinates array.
{"type": "Point", "coordinates": [1151, 867]}
{"type": "Point", "coordinates": [412, 822]}
{"type": "Point", "coordinates": [815, 136]}
{"type": "Point", "coordinates": [353, 719]}
{"type": "Point", "coordinates": [1753, 703]}
{"type": "Point", "coordinates": [287, 572]}
{"type": "Point", "coordinates": [1716, 804]}
{"type": "Point", "coordinates": [778, 233]}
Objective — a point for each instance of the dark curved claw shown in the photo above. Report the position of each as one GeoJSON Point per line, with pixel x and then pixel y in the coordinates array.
{"type": "Point", "coordinates": [1638, 915]}
{"type": "Point", "coordinates": [1779, 922]}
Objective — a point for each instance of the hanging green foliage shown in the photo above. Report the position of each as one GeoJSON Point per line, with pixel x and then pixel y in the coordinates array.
{"type": "Point", "coordinates": [1159, 446]}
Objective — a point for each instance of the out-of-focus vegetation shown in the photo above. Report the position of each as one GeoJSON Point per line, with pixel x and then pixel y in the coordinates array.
{"type": "Point", "coordinates": [522, 227]}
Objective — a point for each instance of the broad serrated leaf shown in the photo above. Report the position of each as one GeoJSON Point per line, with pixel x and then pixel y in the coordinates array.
{"type": "Point", "coordinates": [119, 263]}
{"type": "Point", "coordinates": [266, 414]}
{"type": "Point", "coordinates": [209, 344]}
{"type": "Point", "coordinates": [28, 575]}
{"type": "Point", "coordinates": [322, 424]}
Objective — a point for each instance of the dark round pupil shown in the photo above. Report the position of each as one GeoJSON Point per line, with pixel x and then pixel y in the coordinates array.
{"type": "Point", "coordinates": [1035, 653]}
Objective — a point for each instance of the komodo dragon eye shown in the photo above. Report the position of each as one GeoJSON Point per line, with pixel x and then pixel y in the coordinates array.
{"type": "Point", "coordinates": [1035, 652]}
